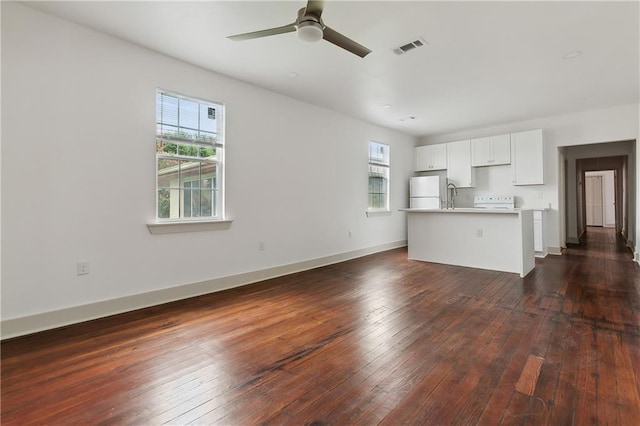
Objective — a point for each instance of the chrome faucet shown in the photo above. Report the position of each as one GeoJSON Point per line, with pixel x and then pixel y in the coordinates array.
{"type": "Point", "coordinates": [452, 191]}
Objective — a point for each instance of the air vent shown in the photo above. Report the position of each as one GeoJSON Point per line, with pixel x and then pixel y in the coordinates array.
{"type": "Point", "coordinates": [401, 50]}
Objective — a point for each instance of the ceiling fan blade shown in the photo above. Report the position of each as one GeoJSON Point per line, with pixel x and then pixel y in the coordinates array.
{"type": "Point", "coordinates": [314, 7]}
{"type": "Point", "coordinates": [264, 33]}
{"type": "Point", "coordinates": [332, 36]}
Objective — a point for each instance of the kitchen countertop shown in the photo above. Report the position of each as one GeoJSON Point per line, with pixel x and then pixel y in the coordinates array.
{"type": "Point", "coordinates": [464, 210]}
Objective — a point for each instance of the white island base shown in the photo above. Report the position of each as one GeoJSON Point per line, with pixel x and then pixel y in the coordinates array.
{"type": "Point", "coordinates": [500, 240]}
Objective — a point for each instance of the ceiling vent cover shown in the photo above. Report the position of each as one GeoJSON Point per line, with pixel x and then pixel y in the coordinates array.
{"type": "Point", "coordinates": [401, 50]}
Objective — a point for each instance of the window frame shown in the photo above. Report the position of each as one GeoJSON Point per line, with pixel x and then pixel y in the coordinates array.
{"type": "Point", "coordinates": [218, 163]}
{"type": "Point", "coordinates": [385, 163]}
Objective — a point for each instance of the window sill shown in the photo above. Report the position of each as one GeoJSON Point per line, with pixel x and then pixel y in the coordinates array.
{"type": "Point", "coordinates": [188, 226]}
{"type": "Point", "coordinates": [371, 213]}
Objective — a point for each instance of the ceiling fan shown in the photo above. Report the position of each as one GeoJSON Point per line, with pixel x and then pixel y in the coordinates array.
{"type": "Point", "coordinates": [310, 27]}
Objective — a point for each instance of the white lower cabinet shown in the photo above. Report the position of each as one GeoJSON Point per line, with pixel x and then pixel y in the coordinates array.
{"type": "Point", "coordinates": [538, 233]}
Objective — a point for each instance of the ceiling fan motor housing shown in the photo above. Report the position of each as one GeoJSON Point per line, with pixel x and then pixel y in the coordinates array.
{"type": "Point", "coordinates": [310, 31]}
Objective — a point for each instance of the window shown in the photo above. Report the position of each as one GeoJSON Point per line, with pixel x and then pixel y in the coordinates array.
{"type": "Point", "coordinates": [189, 158]}
{"type": "Point", "coordinates": [378, 176]}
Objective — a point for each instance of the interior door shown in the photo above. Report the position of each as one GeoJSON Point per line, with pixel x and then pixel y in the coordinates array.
{"type": "Point", "coordinates": [593, 200]}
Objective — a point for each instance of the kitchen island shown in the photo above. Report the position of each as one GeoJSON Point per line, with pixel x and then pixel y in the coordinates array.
{"type": "Point", "coordinates": [500, 240]}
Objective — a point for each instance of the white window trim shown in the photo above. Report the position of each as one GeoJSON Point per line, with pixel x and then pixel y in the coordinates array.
{"type": "Point", "coordinates": [172, 227]}
{"type": "Point", "coordinates": [373, 213]}
{"type": "Point", "coordinates": [177, 225]}
{"type": "Point", "coordinates": [387, 210]}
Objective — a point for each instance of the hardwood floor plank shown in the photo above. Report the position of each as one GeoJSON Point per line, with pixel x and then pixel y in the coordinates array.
{"type": "Point", "coordinates": [376, 340]}
{"type": "Point", "coordinates": [528, 380]}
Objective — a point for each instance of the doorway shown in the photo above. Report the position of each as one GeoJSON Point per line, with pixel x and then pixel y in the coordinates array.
{"type": "Point", "coordinates": [600, 198]}
{"type": "Point", "coordinates": [599, 157]}
{"type": "Point", "coordinates": [593, 200]}
{"type": "Point", "coordinates": [592, 212]}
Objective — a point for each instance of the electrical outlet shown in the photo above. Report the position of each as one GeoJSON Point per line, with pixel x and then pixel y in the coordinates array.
{"type": "Point", "coordinates": [479, 233]}
{"type": "Point", "coordinates": [83, 268]}
{"type": "Point", "coordinates": [261, 245]}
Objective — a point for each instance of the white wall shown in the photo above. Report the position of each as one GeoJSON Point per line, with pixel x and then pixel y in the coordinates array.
{"type": "Point", "coordinates": [618, 123]}
{"type": "Point", "coordinates": [78, 172]}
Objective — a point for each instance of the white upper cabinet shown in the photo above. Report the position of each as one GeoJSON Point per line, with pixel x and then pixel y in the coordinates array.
{"type": "Point", "coordinates": [491, 151]}
{"type": "Point", "coordinates": [430, 157]}
{"type": "Point", "coordinates": [527, 165]}
{"type": "Point", "coordinates": [459, 170]}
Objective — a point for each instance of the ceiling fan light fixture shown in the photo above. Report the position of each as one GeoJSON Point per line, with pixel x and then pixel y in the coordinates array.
{"type": "Point", "coordinates": [310, 31]}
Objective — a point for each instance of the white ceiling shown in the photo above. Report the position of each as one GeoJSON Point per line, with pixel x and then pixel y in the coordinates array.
{"type": "Point", "coordinates": [486, 63]}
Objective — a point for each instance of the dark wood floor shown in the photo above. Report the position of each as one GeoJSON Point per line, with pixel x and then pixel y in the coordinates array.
{"type": "Point", "coordinates": [375, 340]}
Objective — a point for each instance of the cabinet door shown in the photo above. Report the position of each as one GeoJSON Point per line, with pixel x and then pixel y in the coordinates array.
{"type": "Point", "coordinates": [439, 156]}
{"type": "Point", "coordinates": [459, 170]}
{"type": "Point", "coordinates": [537, 230]}
{"type": "Point", "coordinates": [527, 158]}
{"type": "Point", "coordinates": [421, 158]}
{"type": "Point", "coordinates": [501, 149]}
{"type": "Point", "coordinates": [481, 152]}
{"type": "Point", "coordinates": [430, 157]}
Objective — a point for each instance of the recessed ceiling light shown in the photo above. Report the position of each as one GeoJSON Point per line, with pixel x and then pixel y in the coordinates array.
{"type": "Point", "coordinates": [386, 106]}
{"type": "Point", "coordinates": [292, 74]}
{"type": "Point", "coordinates": [573, 54]}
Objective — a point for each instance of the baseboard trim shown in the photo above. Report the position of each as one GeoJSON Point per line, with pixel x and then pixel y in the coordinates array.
{"type": "Point", "coordinates": [53, 319]}
{"type": "Point", "coordinates": [556, 251]}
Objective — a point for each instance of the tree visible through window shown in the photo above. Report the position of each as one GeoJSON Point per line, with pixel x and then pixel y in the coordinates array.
{"type": "Point", "coordinates": [189, 146]}
{"type": "Point", "coordinates": [378, 176]}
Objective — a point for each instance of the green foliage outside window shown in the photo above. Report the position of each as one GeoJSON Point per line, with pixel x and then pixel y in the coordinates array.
{"type": "Point", "coordinates": [182, 149]}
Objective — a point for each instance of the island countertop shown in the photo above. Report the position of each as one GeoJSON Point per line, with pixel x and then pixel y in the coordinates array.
{"type": "Point", "coordinates": [465, 210]}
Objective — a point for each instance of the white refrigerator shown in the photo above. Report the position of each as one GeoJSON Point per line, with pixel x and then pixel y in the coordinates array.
{"type": "Point", "coordinates": [424, 192]}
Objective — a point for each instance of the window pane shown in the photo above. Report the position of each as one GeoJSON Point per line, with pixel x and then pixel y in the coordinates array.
{"type": "Point", "coordinates": [208, 137]}
{"type": "Point", "coordinates": [166, 147]}
{"type": "Point", "coordinates": [378, 194]}
{"type": "Point", "coordinates": [168, 173]}
{"type": "Point", "coordinates": [207, 152]}
{"type": "Point", "coordinates": [166, 109]}
{"type": "Point", "coordinates": [196, 203]}
{"type": "Point", "coordinates": [164, 204]}
{"type": "Point", "coordinates": [189, 171]}
{"type": "Point", "coordinates": [188, 114]}
{"type": "Point", "coordinates": [187, 150]}
{"type": "Point", "coordinates": [187, 187]}
{"type": "Point", "coordinates": [208, 117]}
{"type": "Point", "coordinates": [378, 153]}
{"type": "Point", "coordinates": [166, 129]}
{"type": "Point", "coordinates": [186, 203]}
{"type": "Point", "coordinates": [206, 205]}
